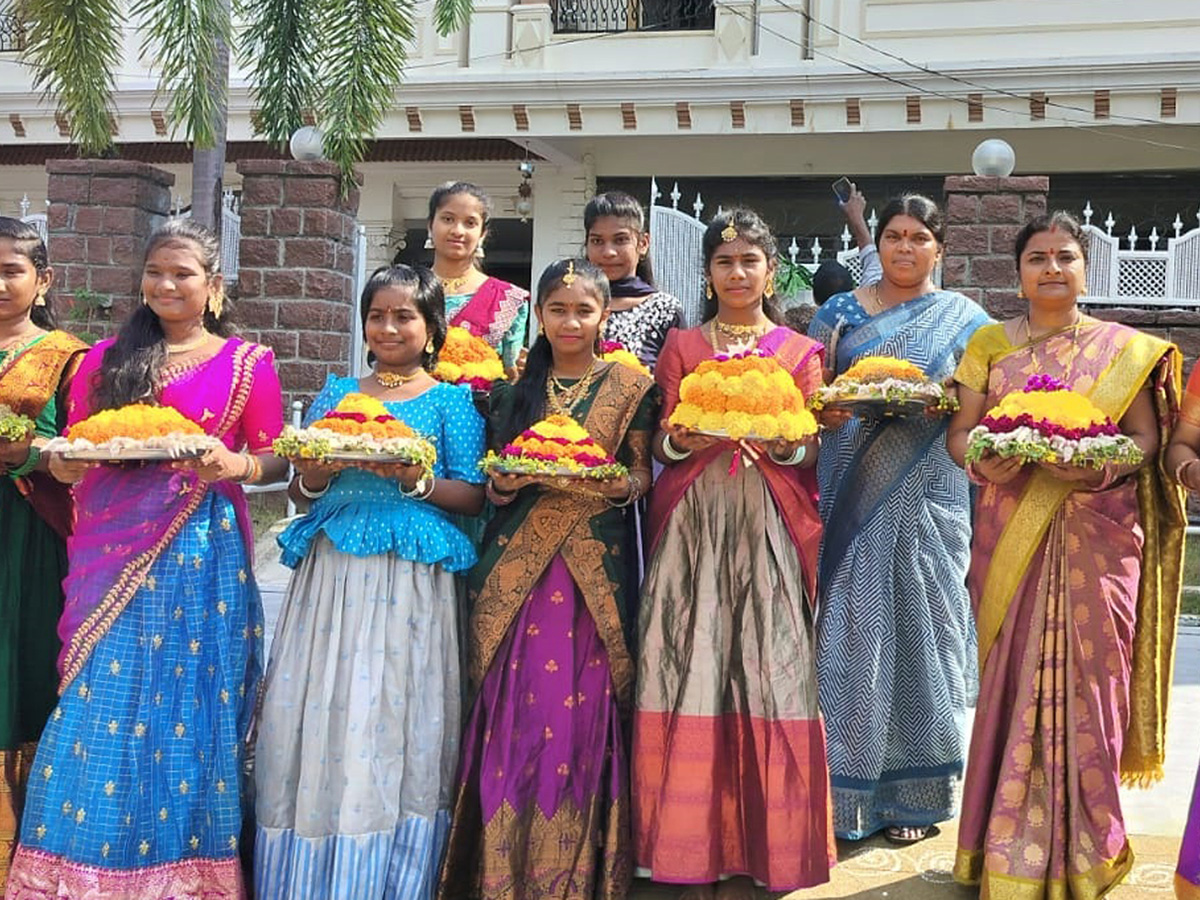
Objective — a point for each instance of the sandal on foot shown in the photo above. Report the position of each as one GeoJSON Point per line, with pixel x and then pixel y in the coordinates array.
{"type": "Point", "coordinates": [904, 835]}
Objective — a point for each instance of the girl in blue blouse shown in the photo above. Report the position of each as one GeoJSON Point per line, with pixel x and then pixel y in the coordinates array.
{"type": "Point", "coordinates": [359, 730]}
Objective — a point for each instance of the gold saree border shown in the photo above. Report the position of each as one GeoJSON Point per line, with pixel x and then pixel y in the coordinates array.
{"type": "Point", "coordinates": [1093, 884]}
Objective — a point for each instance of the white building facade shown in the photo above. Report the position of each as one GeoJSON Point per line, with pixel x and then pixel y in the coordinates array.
{"type": "Point", "coordinates": [600, 90]}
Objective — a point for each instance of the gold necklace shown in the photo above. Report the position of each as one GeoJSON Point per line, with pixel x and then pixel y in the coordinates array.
{"type": "Point", "coordinates": [20, 340]}
{"type": "Point", "coordinates": [1029, 338]}
{"type": "Point", "coordinates": [451, 286]}
{"type": "Point", "coordinates": [395, 379]}
{"type": "Point", "coordinates": [187, 345]}
{"type": "Point", "coordinates": [735, 345]}
{"type": "Point", "coordinates": [561, 398]}
{"type": "Point", "coordinates": [734, 330]}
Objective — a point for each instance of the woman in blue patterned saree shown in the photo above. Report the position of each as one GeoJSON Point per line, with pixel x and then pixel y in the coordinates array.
{"type": "Point", "coordinates": [895, 652]}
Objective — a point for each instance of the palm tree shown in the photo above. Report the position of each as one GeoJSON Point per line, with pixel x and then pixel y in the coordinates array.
{"type": "Point", "coordinates": [338, 59]}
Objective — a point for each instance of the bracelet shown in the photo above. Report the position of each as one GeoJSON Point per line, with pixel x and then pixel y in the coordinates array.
{"type": "Point", "coordinates": [498, 497]}
{"type": "Point", "coordinates": [29, 465]}
{"type": "Point", "coordinates": [635, 493]}
{"type": "Point", "coordinates": [252, 472]}
{"type": "Point", "coordinates": [670, 452]}
{"type": "Point", "coordinates": [1179, 470]}
{"type": "Point", "coordinates": [306, 493]}
{"type": "Point", "coordinates": [422, 490]}
{"type": "Point", "coordinates": [795, 459]}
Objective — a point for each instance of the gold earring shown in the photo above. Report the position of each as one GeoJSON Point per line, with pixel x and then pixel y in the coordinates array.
{"type": "Point", "coordinates": [216, 302]}
{"type": "Point", "coordinates": [429, 347]}
{"type": "Point", "coordinates": [1020, 293]}
{"type": "Point", "coordinates": [429, 242]}
{"type": "Point", "coordinates": [769, 290]}
{"type": "Point", "coordinates": [40, 299]}
{"type": "Point", "coordinates": [708, 289]}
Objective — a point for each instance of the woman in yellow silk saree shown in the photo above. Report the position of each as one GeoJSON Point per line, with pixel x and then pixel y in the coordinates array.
{"type": "Point", "coordinates": [1075, 582]}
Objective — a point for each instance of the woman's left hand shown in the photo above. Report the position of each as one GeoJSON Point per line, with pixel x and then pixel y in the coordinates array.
{"type": "Point", "coordinates": [218, 464]}
{"type": "Point", "coordinates": [615, 488]}
{"type": "Point", "coordinates": [1086, 477]}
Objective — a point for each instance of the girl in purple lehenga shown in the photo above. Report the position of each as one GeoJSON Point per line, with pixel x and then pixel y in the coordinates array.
{"type": "Point", "coordinates": [541, 808]}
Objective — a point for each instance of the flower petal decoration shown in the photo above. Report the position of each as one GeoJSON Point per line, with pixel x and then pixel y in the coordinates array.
{"type": "Point", "coordinates": [557, 445]}
{"type": "Point", "coordinates": [468, 359]}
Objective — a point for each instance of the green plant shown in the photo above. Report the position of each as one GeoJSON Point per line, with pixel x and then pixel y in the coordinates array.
{"type": "Point", "coordinates": [791, 277]}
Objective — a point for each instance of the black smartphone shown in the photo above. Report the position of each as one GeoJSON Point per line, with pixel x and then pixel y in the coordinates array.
{"type": "Point", "coordinates": [842, 189]}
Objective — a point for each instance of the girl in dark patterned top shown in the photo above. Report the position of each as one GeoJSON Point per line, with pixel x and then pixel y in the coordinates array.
{"type": "Point", "coordinates": [617, 241]}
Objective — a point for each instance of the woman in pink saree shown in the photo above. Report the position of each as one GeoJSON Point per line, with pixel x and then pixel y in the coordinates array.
{"type": "Point", "coordinates": [1075, 581]}
{"type": "Point", "coordinates": [136, 788]}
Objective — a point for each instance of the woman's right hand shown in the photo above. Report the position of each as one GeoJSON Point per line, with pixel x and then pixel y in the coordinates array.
{"type": "Point", "coordinates": [998, 469]}
{"type": "Point", "coordinates": [69, 471]}
{"type": "Point", "coordinates": [687, 441]}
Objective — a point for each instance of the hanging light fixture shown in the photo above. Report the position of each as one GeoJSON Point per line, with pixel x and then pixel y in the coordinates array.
{"type": "Point", "coordinates": [524, 205]}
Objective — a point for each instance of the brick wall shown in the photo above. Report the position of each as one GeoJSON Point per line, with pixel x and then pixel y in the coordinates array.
{"type": "Point", "coordinates": [983, 216]}
{"type": "Point", "coordinates": [101, 213]}
{"type": "Point", "coordinates": [296, 269]}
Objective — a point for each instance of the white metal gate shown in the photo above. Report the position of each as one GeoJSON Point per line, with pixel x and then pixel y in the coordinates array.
{"type": "Point", "coordinates": [1152, 277]}
{"type": "Point", "coordinates": [677, 253]}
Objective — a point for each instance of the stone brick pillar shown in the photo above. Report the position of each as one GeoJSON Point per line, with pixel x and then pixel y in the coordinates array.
{"type": "Point", "coordinates": [983, 216]}
{"type": "Point", "coordinates": [102, 211]}
{"type": "Point", "coordinates": [296, 268]}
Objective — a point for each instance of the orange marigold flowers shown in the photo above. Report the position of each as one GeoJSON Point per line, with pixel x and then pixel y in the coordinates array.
{"type": "Point", "coordinates": [467, 359]}
{"type": "Point", "coordinates": [747, 396]}
{"type": "Point", "coordinates": [137, 421]}
{"type": "Point", "coordinates": [881, 368]}
{"type": "Point", "coordinates": [554, 446]}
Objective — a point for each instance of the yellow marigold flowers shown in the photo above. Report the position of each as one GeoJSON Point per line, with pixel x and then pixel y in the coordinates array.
{"type": "Point", "coordinates": [881, 368]}
{"type": "Point", "coordinates": [363, 404]}
{"type": "Point", "coordinates": [138, 421]}
{"type": "Point", "coordinates": [361, 414]}
{"type": "Point", "coordinates": [467, 359]}
{"type": "Point", "coordinates": [555, 445]}
{"type": "Point", "coordinates": [1068, 409]}
{"type": "Point", "coordinates": [749, 396]}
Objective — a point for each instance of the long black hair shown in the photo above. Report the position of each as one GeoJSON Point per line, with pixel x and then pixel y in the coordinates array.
{"type": "Point", "coordinates": [626, 209]}
{"type": "Point", "coordinates": [444, 192]}
{"type": "Point", "coordinates": [129, 371]}
{"type": "Point", "coordinates": [28, 242]}
{"type": "Point", "coordinates": [751, 228]}
{"type": "Point", "coordinates": [427, 297]}
{"type": "Point", "coordinates": [529, 393]}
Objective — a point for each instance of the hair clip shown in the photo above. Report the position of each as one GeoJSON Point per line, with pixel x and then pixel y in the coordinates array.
{"type": "Point", "coordinates": [569, 276]}
{"type": "Point", "coordinates": [729, 233]}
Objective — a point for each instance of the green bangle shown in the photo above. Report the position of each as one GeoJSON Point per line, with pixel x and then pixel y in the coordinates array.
{"type": "Point", "coordinates": [29, 465]}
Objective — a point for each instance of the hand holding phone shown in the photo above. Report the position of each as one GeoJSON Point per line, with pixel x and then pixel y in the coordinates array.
{"type": "Point", "coordinates": [842, 189]}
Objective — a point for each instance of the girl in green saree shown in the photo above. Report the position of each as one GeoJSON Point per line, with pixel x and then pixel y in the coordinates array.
{"type": "Point", "coordinates": [541, 808]}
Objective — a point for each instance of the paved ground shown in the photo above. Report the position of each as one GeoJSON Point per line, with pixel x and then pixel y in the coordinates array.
{"type": "Point", "coordinates": [874, 869]}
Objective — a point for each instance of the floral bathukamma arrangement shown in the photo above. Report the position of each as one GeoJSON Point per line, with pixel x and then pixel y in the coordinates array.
{"type": "Point", "coordinates": [743, 396]}
{"type": "Point", "coordinates": [614, 351]}
{"type": "Point", "coordinates": [138, 431]}
{"type": "Point", "coordinates": [13, 425]}
{"type": "Point", "coordinates": [358, 429]}
{"type": "Point", "coordinates": [1049, 422]}
{"type": "Point", "coordinates": [555, 446]}
{"type": "Point", "coordinates": [467, 359]}
{"type": "Point", "coordinates": [886, 384]}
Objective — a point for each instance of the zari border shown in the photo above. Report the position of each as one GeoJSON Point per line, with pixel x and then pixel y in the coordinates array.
{"type": "Point", "coordinates": [1186, 890]}
{"type": "Point", "coordinates": [1044, 494]}
{"type": "Point", "coordinates": [101, 619]}
{"type": "Point", "coordinates": [1093, 884]}
{"type": "Point", "coordinates": [46, 876]}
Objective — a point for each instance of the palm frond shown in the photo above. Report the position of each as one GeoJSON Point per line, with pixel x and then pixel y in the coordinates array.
{"type": "Point", "coordinates": [278, 45]}
{"type": "Point", "coordinates": [362, 62]}
{"type": "Point", "coordinates": [74, 47]}
{"type": "Point", "coordinates": [183, 40]}
{"type": "Point", "coordinates": [451, 15]}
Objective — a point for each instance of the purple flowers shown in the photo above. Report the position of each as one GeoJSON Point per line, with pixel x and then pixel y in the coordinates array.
{"type": "Point", "coordinates": [1004, 424]}
{"type": "Point", "coordinates": [1044, 383]}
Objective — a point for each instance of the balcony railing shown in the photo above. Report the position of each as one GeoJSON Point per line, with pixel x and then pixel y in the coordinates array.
{"type": "Point", "coordinates": [589, 16]}
{"type": "Point", "coordinates": [12, 29]}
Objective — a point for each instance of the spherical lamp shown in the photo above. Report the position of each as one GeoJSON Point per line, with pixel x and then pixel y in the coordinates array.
{"type": "Point", "coordinates": [308, 143]}
{"type": "Point", "coordinates": [994, 157]}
